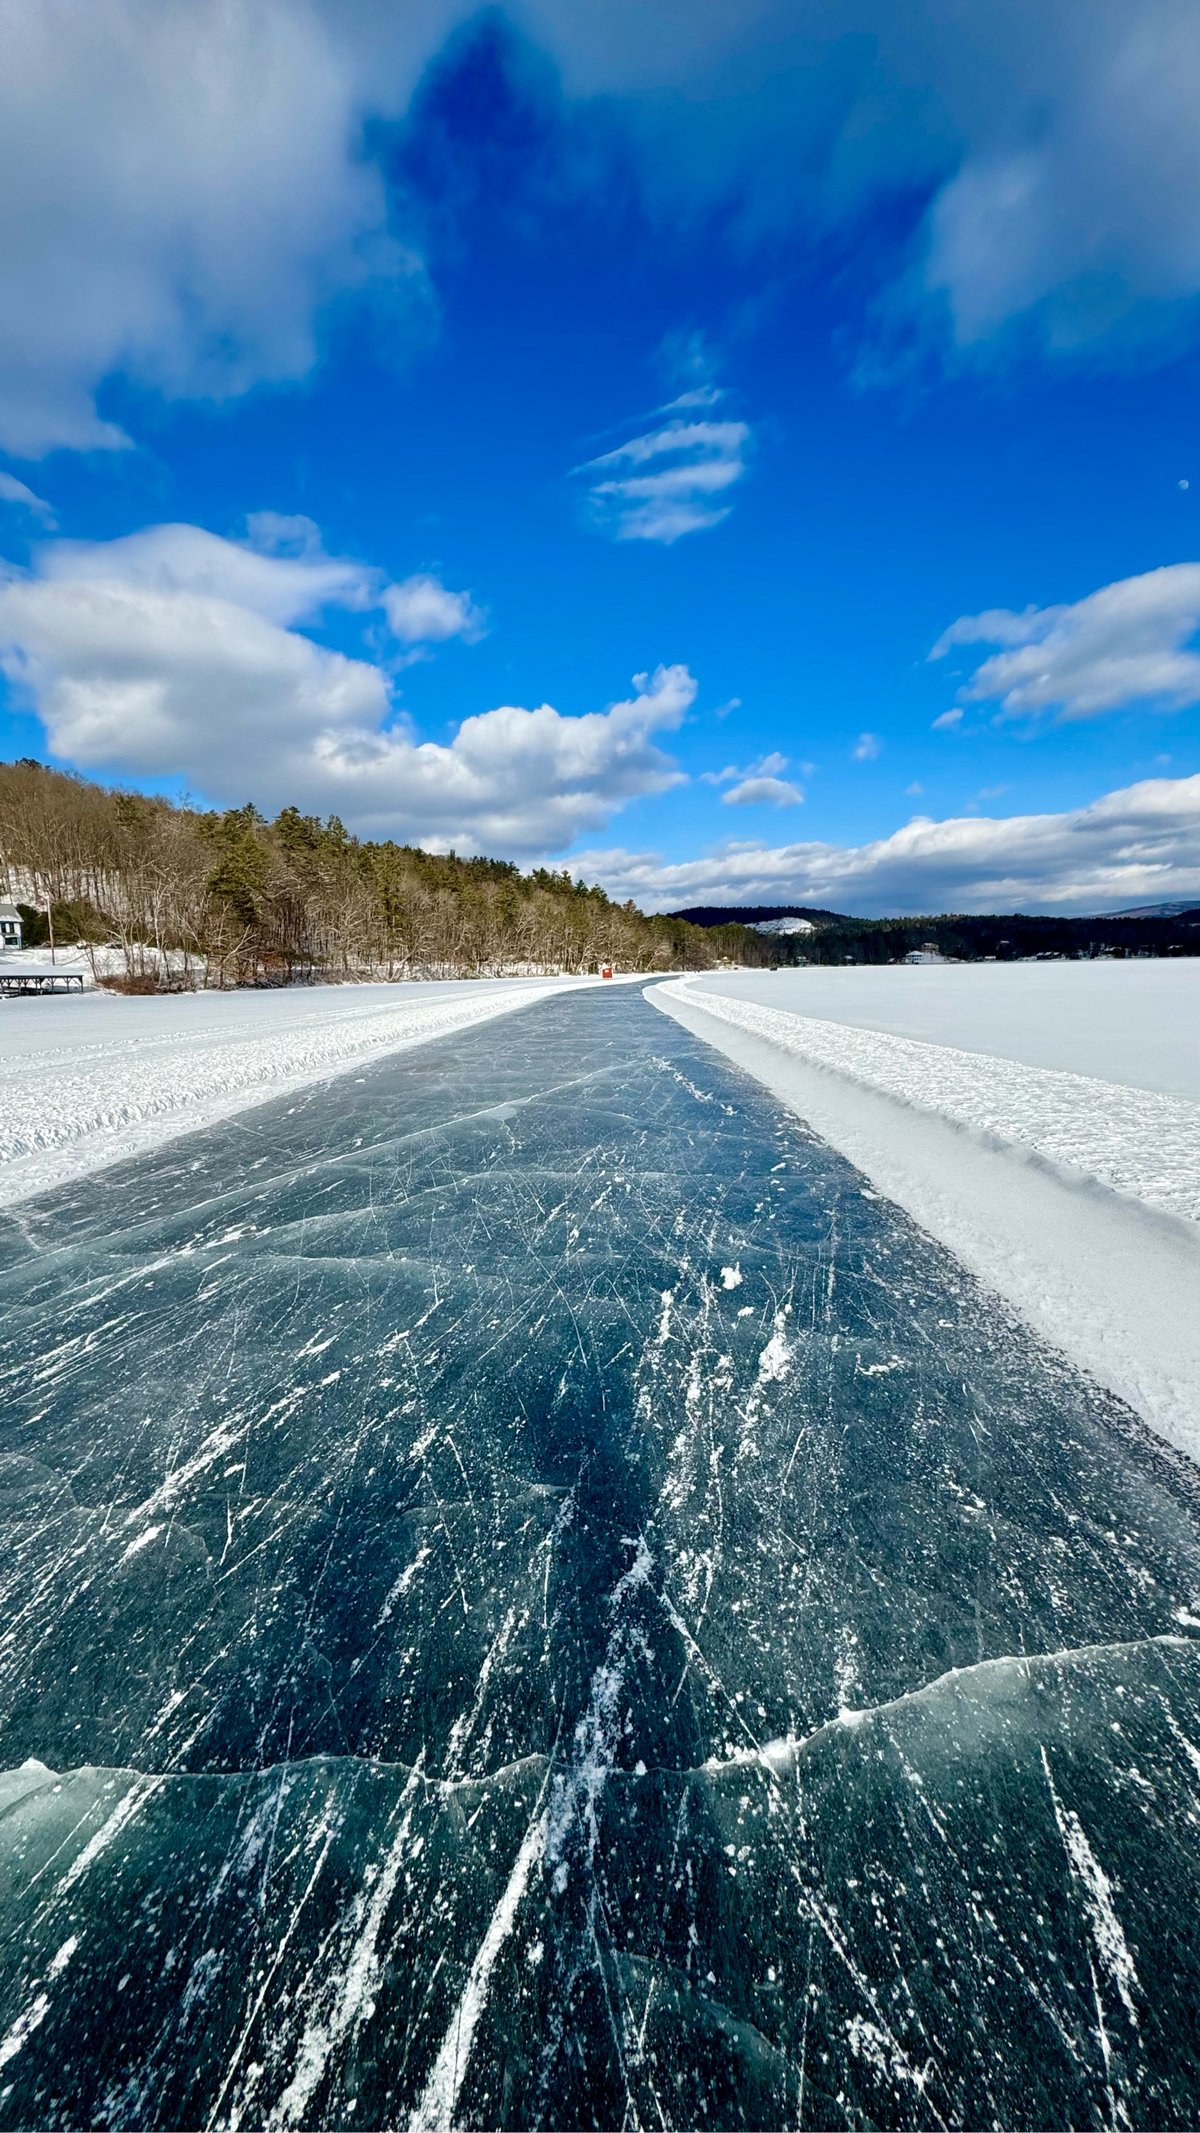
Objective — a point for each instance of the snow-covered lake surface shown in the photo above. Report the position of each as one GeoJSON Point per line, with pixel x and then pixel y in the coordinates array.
{"type": "Point", "coordinates": [91, 1079]}
{"type": "Point", "coordinates": [1136, 1023]}
{"type": "Point", "coordinates": [531, 1594]}
{"type": "Point", "coordinates": [1043, 1120]}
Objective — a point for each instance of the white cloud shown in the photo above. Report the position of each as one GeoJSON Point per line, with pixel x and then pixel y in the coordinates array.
{"type": "Point", "coordinates": [766, 766]}
{"type": "Point", "coordinates": [280, 588]}
{"type": "Point", "coordinates": [16, 493]}
{"type": "Point", "coordinates": [154, 680]}
{"type": "Point", "coordinates": [196, 187]}
{"type": "Point", "coordinates": [1124, 645]}
{"type": "Point", "coordinates": [512, 780]}
{"type": "Point", "coordinates": [284, 533]}
{"type": "Point", "coordinates": [687, 468]}
{"type": "Point", "coordinates": [759, 784]}
{"type": "Point", "coordinates": [191, 194]}
{"type": "Point", "coordinates": [1088, 222]}
{"type": "Point", "coordinates": [170, 653]}
{"type": "Point", "coordinates": [867, 748]}
{"type": "Point", "coordinates": [946, 721]}
{"type": "Point", "coordinates": [1057, 143]}
{"type": "Point", "coordinates": [763, 792]}
{"type": "Point", "coordinates": [1138, 845]}
{"type": "Point", "coordinates": [281, 573]}
{"type": "Point", "coordinates": [422, 611]}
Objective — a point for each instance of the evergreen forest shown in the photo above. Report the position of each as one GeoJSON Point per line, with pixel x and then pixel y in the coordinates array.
{"type": "Point", "coordinates": [169, 894]}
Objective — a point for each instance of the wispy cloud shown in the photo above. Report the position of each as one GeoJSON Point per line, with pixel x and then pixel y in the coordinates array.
{"type": "Point", "coordinates": [21, 498]}
{"type": "Point", "coordinates": [867, 747]}
{"type": "Point", "coordinates": [671, 480]}
{"type": "Point", "coordinates": [1126, 645]}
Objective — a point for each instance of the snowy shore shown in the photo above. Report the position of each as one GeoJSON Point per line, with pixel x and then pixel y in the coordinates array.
{"type": "Point", "coordinates": [1074, 1194]}
{"type": "Point", "coordinates": [90, 1080]}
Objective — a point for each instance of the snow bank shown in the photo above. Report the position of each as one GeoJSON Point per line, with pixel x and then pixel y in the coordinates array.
{"type": "Point", "coordinates": [1133, 1140]}
{"type": "Point", "coordinates": [1135, 1022]}
{"type": "Point", "coordinates": [1050, 1186]}
{"type": "Point", "coordinates": [89, 1080]}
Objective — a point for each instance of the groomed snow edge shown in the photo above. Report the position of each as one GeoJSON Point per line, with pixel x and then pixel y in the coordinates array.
{"type": "Point", "coordinates": [1090, 1251]}
{"type": "Point", "coordinates": [95, 1079]}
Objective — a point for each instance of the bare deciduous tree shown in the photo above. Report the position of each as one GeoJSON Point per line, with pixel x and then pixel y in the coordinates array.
{"type": "Point", "coordinates": [190, 896]}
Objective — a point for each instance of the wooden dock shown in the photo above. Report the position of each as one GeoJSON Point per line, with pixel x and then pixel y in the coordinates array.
{"type": "Point", "coordinates": [14, 984]}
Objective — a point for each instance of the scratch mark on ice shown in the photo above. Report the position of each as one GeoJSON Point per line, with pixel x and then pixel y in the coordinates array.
{"type": "Point", "coordinates": [22, 2029]}
{"type": "Point", "coordinates": [34, 2015]}
{"type": "Point", "coordinates": [1111, 1945]}
{"type": "Point", "coordinates": [126, 1811]}
{"type": "Point", "coordinates": [434, 2112]}
{"type": "Point", "coordinates": [354, 2003]}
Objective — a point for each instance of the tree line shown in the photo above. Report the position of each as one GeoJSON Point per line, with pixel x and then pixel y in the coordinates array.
{"type": "Point", "coordinates": [1004, 937]}
{"type": "Point", "coordinates": [965, 937]}
{"type": "Point", "coordinates": [169, 893]}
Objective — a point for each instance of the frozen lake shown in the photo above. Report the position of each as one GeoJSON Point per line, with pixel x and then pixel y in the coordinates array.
{"type": "Point", "coordinates": [98, 1021]}
{"type": "Point", "coordinates": [1134, 1022]}
{"type": "Point", "coordinates": [92, 1078]}
{"type": "Point", "coordinates": [533, 1596]}
{"type": "Point", "coordinates": [989, 1102]}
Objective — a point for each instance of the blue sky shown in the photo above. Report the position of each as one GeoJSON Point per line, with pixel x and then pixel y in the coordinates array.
{"type": "Point", "coordinates": [747, 453]}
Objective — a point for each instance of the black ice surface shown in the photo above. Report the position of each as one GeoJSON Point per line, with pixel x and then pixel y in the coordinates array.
{"type": "Point", "coordinates": [531, 1596]}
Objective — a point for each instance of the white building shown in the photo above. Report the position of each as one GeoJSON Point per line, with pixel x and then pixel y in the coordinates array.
{"type": "Point", "coordinates": [10, 926]}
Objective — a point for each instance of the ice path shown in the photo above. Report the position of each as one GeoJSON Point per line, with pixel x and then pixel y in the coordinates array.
{"type": "Point", "coordinates": [504, 1671]}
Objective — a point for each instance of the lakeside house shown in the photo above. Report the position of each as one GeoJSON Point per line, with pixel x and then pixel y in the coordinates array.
{"type": "Point", "coordinates": [11, 931]}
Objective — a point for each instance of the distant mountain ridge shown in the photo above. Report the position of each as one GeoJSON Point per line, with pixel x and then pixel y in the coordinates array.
{"type": "Point", "coordinates": [756, 914]}
{"type": "Point", "coordinates": [961, 937]}
{"type": "Point", "coordinates": [1189, 908]}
